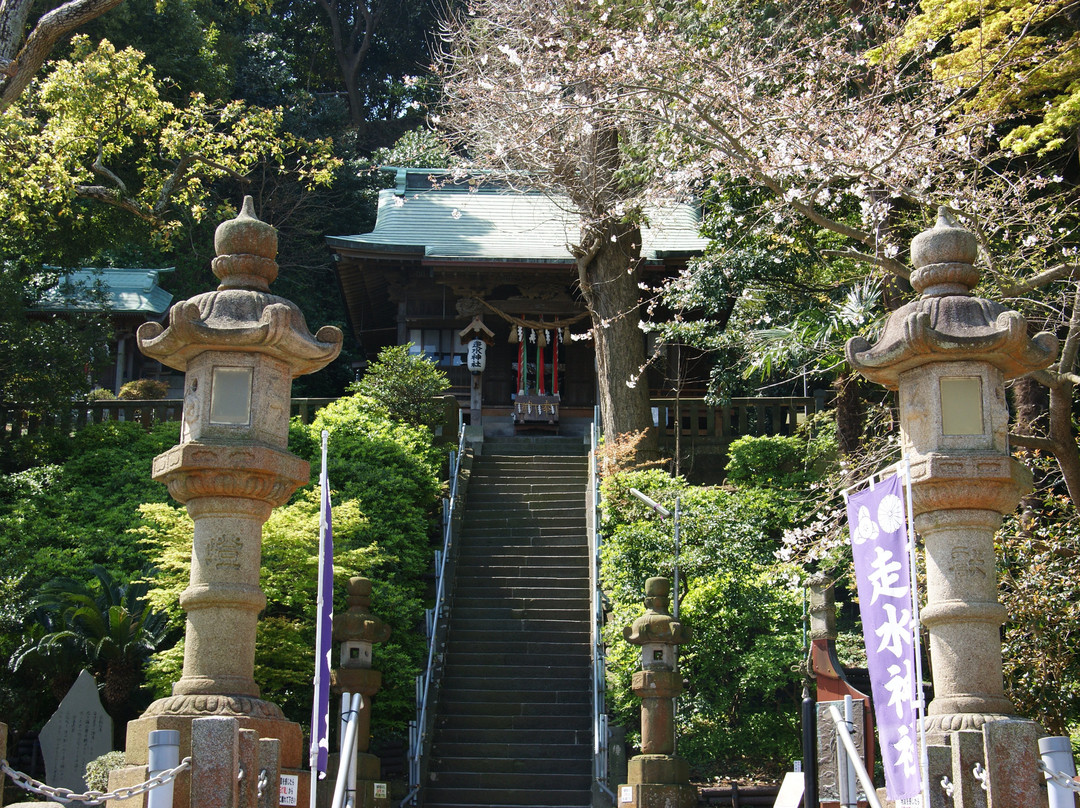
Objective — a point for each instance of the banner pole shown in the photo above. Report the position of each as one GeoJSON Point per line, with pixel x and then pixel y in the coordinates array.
{"type": "Point", "coordinates": [920, 700]}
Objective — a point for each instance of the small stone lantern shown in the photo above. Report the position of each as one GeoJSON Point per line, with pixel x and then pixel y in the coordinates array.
{"type": "Point", "coordinates": [240, 348]}
{"type": "Point", "coordinates": [358, 630]}
{"type": "Point", "coordinates": [949, 354]}
{"type": "Point", "coordinates": [657, 779]}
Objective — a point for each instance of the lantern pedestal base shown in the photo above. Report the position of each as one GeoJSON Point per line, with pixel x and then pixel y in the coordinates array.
{"type": "Point", "coordinates": [254, 714]}
{"type": "Point", "coordinates": [657, 795]}
{"type": "Point", "coordinates": [657, 781]}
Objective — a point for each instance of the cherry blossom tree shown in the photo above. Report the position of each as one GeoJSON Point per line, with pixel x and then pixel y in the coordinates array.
{"type": "Point", "coordinates": [525, 95]}
{"type": "Point", "coordinates": [831, 112]}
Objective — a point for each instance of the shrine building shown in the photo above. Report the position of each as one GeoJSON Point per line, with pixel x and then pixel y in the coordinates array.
{"type": "Point", "coordinates": [451, 262]}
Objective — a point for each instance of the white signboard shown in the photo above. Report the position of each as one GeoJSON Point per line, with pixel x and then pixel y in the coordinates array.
{"type": "Point", "coordinates": [290, 786]}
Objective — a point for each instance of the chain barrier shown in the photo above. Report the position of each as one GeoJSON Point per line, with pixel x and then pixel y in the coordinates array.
{"type": "Point", "coordinates": [982, 775]}
{"type": "Point", "coordinates": [28, 783]}
{"type": "Point", "coordinates": [264, 781]}
{"type": "Point", "coordinates": [1060, 778]}
{"type": "Point", "coordinates": [947, 786]}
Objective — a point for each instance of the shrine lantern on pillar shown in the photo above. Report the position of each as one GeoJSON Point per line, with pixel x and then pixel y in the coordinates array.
{"type": "Point", "coordinates": [949, 353]}
{"type": "Point", "coordinates": [477, 356]}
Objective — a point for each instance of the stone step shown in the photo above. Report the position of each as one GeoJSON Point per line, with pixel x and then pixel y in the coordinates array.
{"type": "Point", "coordinates": [522, 750]}
{"type": "Point", "coordinates": [556, 589]}
{"type": "Point", "coordinates": [504, 798]}
{"type": "Point", "coordinates": [579, 465]}
{"type": "Point", "coordinates": [477, 601]}
{"type": "Point", "coordinates": [485, 695]}
{"type": "Point", "coordinates": [511, 781]}
{"type": "Point", "coordinates": [506, 625]}
{"type": "Point", "coordinates": [462, 611]}
{"type": "Point", "coordinates": [581, 722]}
{"type": "Point", "coordinates": [522, 537]}
{"type": "Point", "coordinates": [519, 576]}
{"type": "Point", "coordinates": [548, 569]}
{"type": "Point", "coordinates": [509, 526]}
{"type": "Point", "coordinates": [489, 557]}
{"type": "Point", "coordinates": [535, 445]}
{"type": "Point", "coordinates": [570, 637]}
{"type": "Point", "coordinates": [501, 764]}
{"type": "Point", "coordinates": [510, 709]}
{"type": "Point", "coordinates": [474, 656]}
{"type": "Point", "coordinates": [536, 737]}
{"type": "Point", "coordinates": [534, 684]}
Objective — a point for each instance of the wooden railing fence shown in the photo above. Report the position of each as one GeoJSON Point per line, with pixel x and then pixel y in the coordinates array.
{"type": "Point", "coordinates": [17, 420]}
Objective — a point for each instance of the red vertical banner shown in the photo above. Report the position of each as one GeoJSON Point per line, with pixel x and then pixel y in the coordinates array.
{"type": "Point", "coordinates": [521, 361]}
{"type": "Point", "coordinates": [555, 340]}
{"type": "Point", "coordinates": [540, 362]}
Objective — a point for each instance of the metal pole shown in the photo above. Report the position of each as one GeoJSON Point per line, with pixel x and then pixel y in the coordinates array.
{"type": "Point", "coordinates": [1057, 756]}
{"type": "Point", "coordinates": [163, 754]}
{"type": "Point", "coordinates": [809, 747]}
{"type": "Point", "coordinates": [844, 737]}
{"type": "Point", "coordinates": [348, 751]}
{"type": "Point", "coordinates": [675, 600]}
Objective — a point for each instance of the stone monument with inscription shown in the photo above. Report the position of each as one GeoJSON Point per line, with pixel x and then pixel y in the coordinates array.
{"type": "Point", "coordinates": [79, 731]}
{"type": "Point", "coordinates": [240, 348]}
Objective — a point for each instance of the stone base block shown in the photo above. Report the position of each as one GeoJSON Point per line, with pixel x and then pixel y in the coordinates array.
{"type": "Point", "coordinates": [657, 795]}
{"type": "Point", "coordinates": [133, 775]}
{"type": "Point", "coordinates": [659, 769]}
{"type": "Point", "coordinates": [138, 736]}
{"type": "Point", "coordinates": [288, 732]}
{"type": "Point", "coordinates": [372, 794]}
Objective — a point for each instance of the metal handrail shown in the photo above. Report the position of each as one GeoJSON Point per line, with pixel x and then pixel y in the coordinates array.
{"type": "Point", "coordinates": [853, 757]}
{"type": "Point", "coordinates": [418, 734]}
{"type": "Point", "coordinates": [599, 664]}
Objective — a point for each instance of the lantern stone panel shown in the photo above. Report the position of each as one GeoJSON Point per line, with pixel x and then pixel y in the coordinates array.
{"type": "Point", "coordinates": [233, 397]}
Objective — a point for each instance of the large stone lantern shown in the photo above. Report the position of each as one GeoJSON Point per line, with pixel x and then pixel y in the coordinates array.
{"type": "Point", "coordinates": [240, 348]}
{"type": "Point", "coordinates": [657, 778]}
{"type": "Point", "coordinates": [949, 354]}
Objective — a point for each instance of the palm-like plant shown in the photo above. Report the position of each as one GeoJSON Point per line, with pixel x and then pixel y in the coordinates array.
{"type": "Point", "coordinates": [105, 626]}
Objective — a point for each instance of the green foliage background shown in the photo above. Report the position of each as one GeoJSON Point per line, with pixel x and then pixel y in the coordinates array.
{"type": "Point", "coordinates": [384, 477]}
{"type": "Point", "coordinates": [742, 704]}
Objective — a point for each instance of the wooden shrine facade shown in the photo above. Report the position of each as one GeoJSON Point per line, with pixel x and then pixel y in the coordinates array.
{"type": "Point", "coordinates": [446, 255]}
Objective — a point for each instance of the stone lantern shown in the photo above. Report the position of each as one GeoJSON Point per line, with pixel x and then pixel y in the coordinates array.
{"type": "Point", "coordinates": [240, 348]}
{"type": "Point", "coordinates": [657, 779]}
{"type": "Point", "coordinates": [358, 630]}
{"type": "Point", "coordinates": [949, 354]}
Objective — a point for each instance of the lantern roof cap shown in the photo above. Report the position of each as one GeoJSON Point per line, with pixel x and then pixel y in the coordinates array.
{"type": "Point", "coordinates": [241, 314]}
{"type": "Point", "coordinates": [946, 322]}
{"type": "Point", "coordinates": [657, 625]}
{"type": "Point", "coordinates": [358, 624]}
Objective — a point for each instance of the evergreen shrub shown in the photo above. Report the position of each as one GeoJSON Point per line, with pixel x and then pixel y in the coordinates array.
{"type": "Point", "coordinates": [742, 705]}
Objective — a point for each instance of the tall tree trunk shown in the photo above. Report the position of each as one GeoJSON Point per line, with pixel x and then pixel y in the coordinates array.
{"type": "Point", "coordinates": [608, 273]}
{"type": "Point", "coordinates": [849, 413]}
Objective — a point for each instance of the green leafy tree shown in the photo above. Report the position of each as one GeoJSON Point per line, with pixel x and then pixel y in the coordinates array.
{"type": "Point", "coordinates": [742, 705]}
{"type": "Point", "coordinates": [106, 627]}
{"type": "Point", "coordinates": [408, 385]}
{"type": "Point", "coordinates": [1018, 58]}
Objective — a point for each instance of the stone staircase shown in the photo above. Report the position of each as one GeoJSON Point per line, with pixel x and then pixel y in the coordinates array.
{"type": "Point", "coordinates": [513, 726]}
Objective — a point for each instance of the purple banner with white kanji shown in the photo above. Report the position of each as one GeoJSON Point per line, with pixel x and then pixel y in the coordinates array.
{"type": "Point", "coordinates": [879, 544]}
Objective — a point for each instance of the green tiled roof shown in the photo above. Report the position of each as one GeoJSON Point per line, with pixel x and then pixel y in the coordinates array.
{"type": "Point", "coordinates": [497, 223]}
{"type": "Point", "coordinates": [124, 291]}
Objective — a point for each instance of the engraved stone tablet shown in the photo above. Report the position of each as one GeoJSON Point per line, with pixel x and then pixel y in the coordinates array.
{"type": "Point", "coordinates": [79, 731]}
